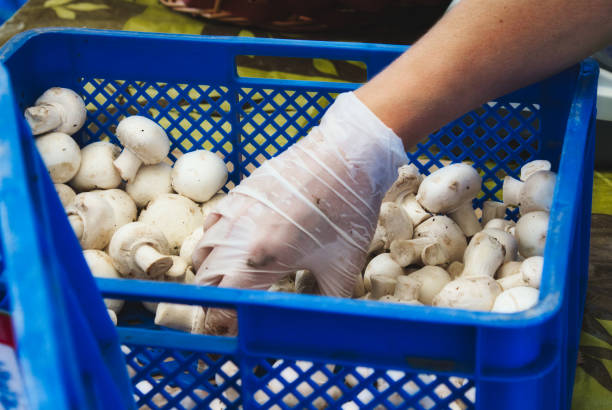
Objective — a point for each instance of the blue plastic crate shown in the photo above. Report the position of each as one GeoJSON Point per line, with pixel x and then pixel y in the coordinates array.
{"type": "Point", "coordinates": [69, 351]}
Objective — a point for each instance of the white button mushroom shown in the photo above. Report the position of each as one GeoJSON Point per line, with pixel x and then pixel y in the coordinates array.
{"type": "Point", "coordinates": [466, 218]}
{"type": "Point", "coordinates": [537, 192]}
{"type": "Point", "coordinates": [413, 208]}
{"type": "Point", "coordinates": [187, 318]}
{"type": "Point", "coordinates": [531, 232]}
{"type": "Point", "coordinates": [411, 252]}
{"type": "Point", "coordinates": [508, 269]}
{"type": "Point", "coordinates": [393, 224]}
{"type": "Point", "coordinates": [512, 281]}
{"type": "Point", "coordinates": [92, 220]}
{"type": "Point", "coordinates": [446, 233]}
{"type": "Point", "coordinates": [140, 250]}
{"type": "Point", "coordinates": [531, 271]}
{"type": "Point", "coordinates": [455, 269]}
{"type": "Point", "coordinates": [471, 293]}
{"type": "Point", "coordinates": [97, 170]}
{"type": "Point", "coordinates": [447, 188]}
{"type": "Point", "coordinates": [516, 300]}
{"type": "Point", "coordinates": [65, 193]}
{"type": "Point", "coordinates": [431, 279]}
{"type": "Point", "coordinates": [124, 209]}
{"type": "Point", "coordinates": [483, 256]}
{"type": "Point", "coordinates": [450, 190]}
{"type": "Point", "coordinates": [175, 215]}
{"type": "Point", "coordinates": [198, 175]}
{"type": "Point", "coordinates": [150, 181]}
{"type": "Point", "coordinates": [408, 180]}
{"type": "Point", "coordinates": [211, 204]}
{"type": "Point", "coordinates": [189, 244]}
{"type": "Point", "coordinates": [58, 109]}
{"type": "Point", "coordinates": [407, 288]}
{"type": "Point", "coordinates": [506, 240]}
{"type": "Point", "coordinates": [143, 142]}
{"type": "Point", "coordinates": [534, 166]}
{"type": "Point", "coordinates": [61, 155]}
{"type": "Point", "coordinates": [381, 265]}
{"type": "Point", "coordinates": [503, 224]}
{"type": "Point", "coordinates": [382, 285]}
{"type": "Point", "coordinates": [101, 266]}
{"type": "Point", "coordinates": [492, 210]}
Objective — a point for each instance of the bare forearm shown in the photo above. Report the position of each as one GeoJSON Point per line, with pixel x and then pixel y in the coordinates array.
{"type": "Point", "coordinates": [480, 50]}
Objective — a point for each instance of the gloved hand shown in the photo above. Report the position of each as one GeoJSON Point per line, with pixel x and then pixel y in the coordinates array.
{"type": "Point", "coordinates": [313, 207]}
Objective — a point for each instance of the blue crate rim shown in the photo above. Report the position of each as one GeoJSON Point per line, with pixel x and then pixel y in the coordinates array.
{"type": "Point", "coordinates": [551, 291]}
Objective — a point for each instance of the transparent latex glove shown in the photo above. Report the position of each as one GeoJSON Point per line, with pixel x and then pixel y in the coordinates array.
{"type": "Point", "coordinates": [313, 207]}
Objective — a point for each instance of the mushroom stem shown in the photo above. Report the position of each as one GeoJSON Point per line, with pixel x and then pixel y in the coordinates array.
{"type": "Point", "coordinates": [77, 225]}
{"type": "Point", "coordinates": [492, 210]}
{"type": "Point", "coordinates": [382, 285]}
{"type": "Point", "coordinates": [178, 269]}
{"type": "Point", "coordinates": [483, 256]}
{"type": "Point", "coordinates": [151, 261]}
{"type": "Point", "coordinates": [511, 191]}
{"type": "Point", "coordinates": [407, 288]}
{"type": "Point", "coordinates": [414, 210]}
{"type": "Point", "coordinates": [43, 118]}
{"type": "Point", "coordinates": [127, 164]}
{"type": "Point", "coordinates": [465, 217]}
{"type": "Point", "coordinates": [408, 251]}
{"type": "Point", "coordinates": [188, 318]}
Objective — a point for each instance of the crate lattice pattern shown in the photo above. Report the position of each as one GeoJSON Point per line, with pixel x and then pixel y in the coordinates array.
{"type": "Point", "coordinates": [248, 126]}
{"type": "Point", "coordinates": [173, 379]}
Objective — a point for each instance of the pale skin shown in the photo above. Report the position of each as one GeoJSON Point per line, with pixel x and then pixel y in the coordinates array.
{"type": "Point", "coordinates": [480, 50]}
{"type": "Point", "coordinates": [314, 206]}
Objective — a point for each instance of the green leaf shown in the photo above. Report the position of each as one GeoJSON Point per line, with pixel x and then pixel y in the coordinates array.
{"type": "Point", "coordinates": [246, 33]}
{"type": "Point", "coordinates": [55, 3]}
{"type": "Point", "coordinates": [87, 6]}
{"type": "Point", "coordinates": [325, 66]}
{"type": "Point", "coordinates": [64, 13]}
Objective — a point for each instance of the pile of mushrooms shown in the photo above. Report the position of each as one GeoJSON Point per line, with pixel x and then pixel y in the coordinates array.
{"type": "Point", "coordinates": [134, 215]}
{"type": "Point", "coordinates": [137, 216]}
{"type": "Point", "coordinates": [431, 248]}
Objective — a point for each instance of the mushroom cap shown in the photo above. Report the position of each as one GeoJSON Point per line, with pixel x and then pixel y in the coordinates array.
{"type": "Point", "coordinates": [537, 192]}
{"type": "Point", "coordinates": [198, 175]}
{"type": "Point", "coordinates": [97, 170]}
{"type": "Point", "coordinates": [516, 299]}
{"type": "Point", "coordinates": [97, 217]}
{"type": "Point", "coordinates": [149, 182]}
{"type": "Point", "coordinates": [432, 280]}
{"type": "Point", "coordinates": [147, 140]}
{"type": "Point", "coordinates": [534, 166]}
{"type": "Point", "coordinates": [508, 269]}
{"type": "Point", "coordinates": [445, 232]}
{"type": "Point", "coordinates": [381, 265]}
{"type": "Point", "coordinates": [445, 189]}
{"type": "Point", "coordinates": [471, 293]}
{"type": "Point", "coordinates": [211, 204]}
{"type": "Point", "coordinates": [101, 266]}
{"type": "Point", "coordinates": [61, 155]}
{"type": "Point", "coordinates": [531, 232]}
{"type": "Point", "coordinates": [498, 223]}
{"type": "Point", "coordinates": [531, 270]}
{"type": "Point", "coordinates": [190, 243]}
{"type": "Point", "coordinates": [73, 113]}
{"type": "Point", "coordinates": [408, 180]}
{"type": "Point", "coordinates": [125, 242]}
{"type": "Point", "coordinates": [175, 216]}
{"type": "Point", "coordinates": [123, 206]}
{"type": "Point", "coordinates": [65, 193]}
